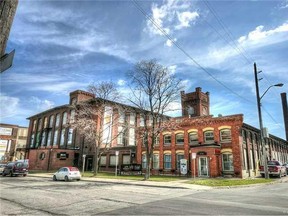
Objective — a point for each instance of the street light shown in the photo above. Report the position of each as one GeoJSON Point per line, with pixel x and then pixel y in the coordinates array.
{"type": "Point", "coordinates": [262, 141]}
{"type": "Point", "coordinates": [116, 153]}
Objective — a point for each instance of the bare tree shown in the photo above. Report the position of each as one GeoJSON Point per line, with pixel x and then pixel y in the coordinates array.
{"type": "Point", "coordinates": [105, 90]}
{"type": "Point", "coordinates": [96, 119]}
{"type": "Point", "coordinates": [153, 88]}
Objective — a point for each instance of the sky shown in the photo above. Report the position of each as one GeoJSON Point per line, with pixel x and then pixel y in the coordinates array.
{"type": "Point", "coordinates": [62, 46]}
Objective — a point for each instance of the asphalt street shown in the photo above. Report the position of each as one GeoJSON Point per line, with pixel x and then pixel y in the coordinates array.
{"type": "Point", "coordinates": [42, 196]}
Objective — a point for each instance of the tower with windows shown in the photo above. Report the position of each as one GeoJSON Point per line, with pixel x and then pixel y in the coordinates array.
{"type": "Point", "coordinates": [195, 104]}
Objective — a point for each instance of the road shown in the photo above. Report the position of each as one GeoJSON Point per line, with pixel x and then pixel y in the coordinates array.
{"type": "Point", "coordinates": [42, 196]}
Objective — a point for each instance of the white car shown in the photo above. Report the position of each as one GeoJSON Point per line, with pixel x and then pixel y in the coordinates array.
{"type": "Point", "coordinates": [67, 174]}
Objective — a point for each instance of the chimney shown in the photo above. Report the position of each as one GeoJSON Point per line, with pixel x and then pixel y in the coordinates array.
{"type": "Point", "coordinates": [285, 112]}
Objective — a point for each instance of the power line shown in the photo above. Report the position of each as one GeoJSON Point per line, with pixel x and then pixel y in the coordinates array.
{"type": "Point", "coordinates": [235, 46]}
{"type": "Point", "coordinates": [185, 53]}
{"type": "Point", "coordinates": [191, 58]}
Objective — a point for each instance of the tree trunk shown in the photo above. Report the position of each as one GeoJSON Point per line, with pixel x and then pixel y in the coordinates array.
{"type": "Point", "coordinates": [147, 174]}
{"type": "Point", "coordinates": [96, 161]}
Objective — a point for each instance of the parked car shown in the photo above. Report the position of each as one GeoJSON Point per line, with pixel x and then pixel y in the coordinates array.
{"type": "Point", "coordinates": [286, 166]}
{"type": "Point", "coordinates": [2, 168]}
{"type": "Point", "coordinates": [275, 168]}
{"type": "Point", "coordinates": [67, 174]}
{"type": "Point", "coordinates": [16, 168]}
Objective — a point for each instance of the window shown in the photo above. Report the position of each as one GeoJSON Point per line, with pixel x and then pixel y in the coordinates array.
{"type": "Point", "coordinates": [193, 137]}
{"type": "Point", "coordinates": [38, 140]}
{"type": "Point", "coordinates": [43, 140]}
{"type": "Point", "coordinates": [103, 160]}
{"type": "Point", "coordinates": [227, 162]}
{"type": "Point", "coordinates": [112, 161]}
{"type": "Point", "coordinates": [144, 161]}
{"type": "Point", "coordinates": [51, 121]}
{"type": "Point", "coordinates": [156, 142]}
{"type": "Point", "coordinates": [70, 136]}
{"type": "Point", "coordinates": [32, 140]}
{"type": "Point", "coordinates": [49, 138]}
{"type": "Point", "coordinates": [132, 118]}
{"type": "Point", "coordinates": [125, 159]}
{"type": "Point", "coordinates": [62, 137]}
{"type": "Point", "coordinates": [167, 139]}
{"type": "Point", "coordinates": [178, 158]}
{"type": "Point", "coordinates": [39, 124]}
{"type": "Point", "coordinates": [141, 121]}
{"type": "Point", "coordinates": [167, 161]}
{"type": "Point", "coordinates": [155, 161]}
{"type": "Point", "coordinates": [55, 137]}
{"type": "Point", "coordinates": [72, 116]}
{"type": "Point", "coordinates": [225, 135]}
{"type": "Point", "coordinates": [57, 120]}
{"type": "Point", "coordinates": [64, 118]}
{"type": "Point", "coordinates": [121, 116]}
{"type": "Point", "coordinates": [34, 125]}
{"type": "Point", "coordinates": [208, 136]}
{"type": "Point", "coordinates": [131, 136]}
{"type": "Point", "coordinates": [45, 122]}
{"type": "Point", "coordinates": [120, 138]}
{"type": "Point", "coordinates": [180, 138]}
{"type": "Point", "coordinates": [144, 139]}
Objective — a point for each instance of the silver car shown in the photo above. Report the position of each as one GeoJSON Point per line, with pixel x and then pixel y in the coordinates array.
{"type": "Point", "coordinates": [67, 174]}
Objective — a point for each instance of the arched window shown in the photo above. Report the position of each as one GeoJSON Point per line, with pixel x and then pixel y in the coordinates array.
{"type": "Point", "coordinates": [167, 161]}
{"type": "Point", "coordinates": [72, 116]}
{"type": "Point", "coordinates": [167, 139]}
{"type": "Point", "coordinates": [62, 137]}
{"type": "Point", "coordinates": [45, 122]}
{"type": "Point", "coordinates": [51, 121]}
{"type": "Point", "coordinates": [225, 135]}
{"type": "Point", "coordinates": [64, 118]}
{"type": "Point", "coordinates": [180, 138]}
{"type": "Point", "coordinates": [209, 136]}
{"type": "Point", "coordinates": [144, 161]}
{"type": "Point", "coordinates": [227, 159]}
{"type": "Point", "coordinates": [193, 137]}
{"type": "Point", "coordinates": [57, 120]}
{"type": "Point", "coordinates": [155, 161]}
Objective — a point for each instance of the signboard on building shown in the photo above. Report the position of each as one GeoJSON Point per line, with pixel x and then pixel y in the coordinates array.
{"type": "Point", "coordinates": [6, 131]}
{"type": "Point", "coordinates": [183, 166]}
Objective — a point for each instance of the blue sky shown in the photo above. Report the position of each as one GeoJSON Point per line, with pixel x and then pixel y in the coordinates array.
{"type": "Point", "coordinates": [63, 45]}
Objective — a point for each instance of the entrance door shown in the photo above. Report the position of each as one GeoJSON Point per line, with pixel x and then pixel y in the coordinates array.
{"type": "Point", "coordinates": [203, 167]}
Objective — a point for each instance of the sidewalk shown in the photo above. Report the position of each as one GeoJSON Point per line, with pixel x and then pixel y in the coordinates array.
{"type": "Point", "coordinates": [173, 184]}
{"type": "Point", "coordinates": [180, 184]}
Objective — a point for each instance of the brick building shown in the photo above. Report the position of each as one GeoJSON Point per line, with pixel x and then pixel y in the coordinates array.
{"type": "Point", "coordinates": [222, 145]}
{"type": "Point", "coordinates": [12, 142]}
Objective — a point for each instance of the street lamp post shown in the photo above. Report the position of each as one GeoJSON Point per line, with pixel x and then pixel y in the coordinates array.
{"type": "Point", "coordinates": [262, 141]}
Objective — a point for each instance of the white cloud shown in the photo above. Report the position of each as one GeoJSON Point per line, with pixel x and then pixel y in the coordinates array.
{"type": "Point", "coordinates": [259, 35]}
{"type": "Point", "coordinates": [185, 18]}
{"type": "Point", "coordinates": [9, 105]}
{"type": "Point", "coordinates": [41, 105]}
{"type": "Point", "coordinates": [172, 69]}
{"type": "Point", "coordinates": [169, 43]}
{"type": "Point", "coordinates": [121, 82]}
{"type": "Point", "coordinates": [171, 16]}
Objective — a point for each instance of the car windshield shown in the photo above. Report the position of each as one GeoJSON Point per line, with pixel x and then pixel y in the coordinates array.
{"type": "Point", "coordinates": [273, 163]}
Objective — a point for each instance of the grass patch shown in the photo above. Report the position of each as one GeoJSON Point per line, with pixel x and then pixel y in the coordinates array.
{"type": "Point", "coordinates": [228, 182]}
{"type": "Point", "coordinates": [133, 177]}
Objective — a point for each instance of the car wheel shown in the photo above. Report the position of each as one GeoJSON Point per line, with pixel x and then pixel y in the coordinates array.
{"type": "Point", "coordinates": [25, 175]}
{"type": "Point", "coordinates": [3, 174]}
{"type": "Point", "coordinates": [262, 175]}
{"type": "Point", "coordinates": [78, 179]}
{"type": "Point", "coordinates": [66, 178]}
{"type": "Point", "coordinates": [54, 178]}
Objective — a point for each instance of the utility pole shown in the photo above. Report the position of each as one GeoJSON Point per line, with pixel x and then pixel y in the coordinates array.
{"type": "Point", "coordinates": [262, 141]}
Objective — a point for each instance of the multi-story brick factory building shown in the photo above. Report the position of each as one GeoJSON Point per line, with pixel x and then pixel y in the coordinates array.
{"type": "Point", "coordinates": [222, 145]}
{"type": "Point", "coordinates": [12, 142]}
